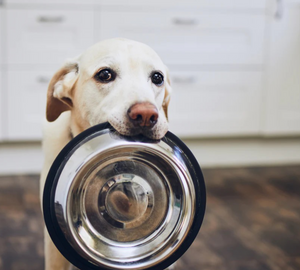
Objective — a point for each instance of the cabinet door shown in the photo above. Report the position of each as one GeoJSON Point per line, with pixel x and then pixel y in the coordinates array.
{"type": "Point", "coordinates": [1, 107]}
{"type": "Point", "coordinates": [283, 73]}
{"type": "Point", "coordinates": [1, 34]}
{"type": "Point", "coordinates": [190, 37]}
{"type": "Point", "coordinates": [1, 66]}
{"type": "Point", "coordinates": [26, 103]}
{"type": "Point", "coordinates": [47, 36]}
{"type": "Point", "coordinates": [215, 103]}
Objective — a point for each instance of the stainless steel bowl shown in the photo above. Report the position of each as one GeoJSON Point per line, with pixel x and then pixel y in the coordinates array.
{"type": "Point", "coordinates": [116, 202]}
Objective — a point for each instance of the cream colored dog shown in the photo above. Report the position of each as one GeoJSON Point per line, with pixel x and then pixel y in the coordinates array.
{"type": "Point", "coordinates": [120, 81]}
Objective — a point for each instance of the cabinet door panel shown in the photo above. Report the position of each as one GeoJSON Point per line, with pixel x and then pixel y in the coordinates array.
{"type": "Point", "coordinates": [215, 103]}
{"type": "Point", "coordinates": [1, 107]}
{"type": "Point", "coordinates": [47, 36]}
{"type": "Point", "coordinates": [27, 103]}
{"type": "Point", "coordinates": [1, 66]}
{"type": "Point", "coordinates": [190, 37]}
{"type": "Point", "coordinates": [283, 74]}
{"type": "Point", "coordinates": [1, 35]}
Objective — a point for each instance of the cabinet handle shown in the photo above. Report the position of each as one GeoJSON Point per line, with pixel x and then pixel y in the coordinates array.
{"type": "Point", "coordinates": [183, 21]}
{"type": "Point", "coordinates": [279, 9]}
{"type": "Point", "coordinates": [42, 79]}
{"type": "Point", "coordinates": [50, 19]}
{"type": "Point", "coordinates": [184, 80]}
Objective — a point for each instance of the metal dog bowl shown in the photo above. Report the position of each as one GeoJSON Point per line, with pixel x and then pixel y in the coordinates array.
{"type": "Point", "coordinates": [116, 202]}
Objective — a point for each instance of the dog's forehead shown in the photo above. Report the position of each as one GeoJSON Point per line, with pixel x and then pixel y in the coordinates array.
{"type": "Point", "coordinates": [116, 52]}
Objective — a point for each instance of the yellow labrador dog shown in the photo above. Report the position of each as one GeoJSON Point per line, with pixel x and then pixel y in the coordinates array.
{"type": "Point", "coordinates": [120, 81]}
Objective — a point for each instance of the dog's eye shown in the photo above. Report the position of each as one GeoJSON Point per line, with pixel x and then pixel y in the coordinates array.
{"type": "Point", "coordinates": [105, 75]}
{"type": "Point", "coordinates": [157, 78]}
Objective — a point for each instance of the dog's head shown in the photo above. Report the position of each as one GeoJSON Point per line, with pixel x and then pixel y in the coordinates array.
{"type": "Point", "coordinates": [120, 81]}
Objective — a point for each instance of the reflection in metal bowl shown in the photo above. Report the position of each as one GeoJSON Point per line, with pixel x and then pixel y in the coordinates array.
{"type": "Point", "coordinates": [115, 202]}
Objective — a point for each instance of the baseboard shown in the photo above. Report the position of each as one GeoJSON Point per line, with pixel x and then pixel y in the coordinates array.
{"type": "Point", "coordinates": [20, 158]}
{"type": "Point", "coordinates": [27, 158]}
{"type": "Point", "coordinates": [246, 151]}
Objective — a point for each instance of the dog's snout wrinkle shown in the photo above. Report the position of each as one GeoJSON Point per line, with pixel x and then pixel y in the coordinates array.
{"type": "Point", "coordinates": [143, 114]}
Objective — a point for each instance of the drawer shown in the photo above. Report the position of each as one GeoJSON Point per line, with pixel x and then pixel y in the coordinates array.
{"type": "Point", "coordinates": [202, 103]}
{"type": "Point", "coordinates": [81, 2]}
{"type": "Point", "coordinates": [26, 103]}
{"type": "Point", "coordinates": [47, 36]}
{"type": "Point", "coordinates": [215, 103]}
{"type": "Point", "coordinates": [190, 37]}
{"type": "Point", "coordinates": [225, 4]}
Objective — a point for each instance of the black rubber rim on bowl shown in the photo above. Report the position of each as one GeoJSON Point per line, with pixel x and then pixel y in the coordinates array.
{"type": "Point", "coordinates": [57, 235]}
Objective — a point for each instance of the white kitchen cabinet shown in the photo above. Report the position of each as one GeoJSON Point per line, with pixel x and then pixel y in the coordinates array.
{"type": "Point", "coordinates": [227, 80]}
{"type": "Point", "coordinates": [1, 75]}
{"type": "Point", "coordinates": [190, 37]}
{"type": "Point", "coordinates": [211, 103]}
{"type": "Point", "coordinates": [283, 73]}
{"type": "Point", "coordinates": [26, 103]}
{"type": "Point", "coordinates": [37, 44]}
{"type": "Point", "coordinates": [47, 36]}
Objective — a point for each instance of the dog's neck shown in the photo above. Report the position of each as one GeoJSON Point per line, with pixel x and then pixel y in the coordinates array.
{"type": "Point", "coordinates": [77, 125]}
{"type": "Point", "coordinates": [71, 135]}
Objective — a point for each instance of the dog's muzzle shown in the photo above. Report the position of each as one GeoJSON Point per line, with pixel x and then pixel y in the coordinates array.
{"type": "Point", "coordinates": [116, 202]}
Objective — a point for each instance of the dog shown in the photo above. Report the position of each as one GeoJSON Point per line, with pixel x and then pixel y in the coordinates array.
{"type": "Point", "coordinates": [120, 81]}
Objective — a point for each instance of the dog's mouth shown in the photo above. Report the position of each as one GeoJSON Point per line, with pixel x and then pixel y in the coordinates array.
{"type": "Point", "coordinates": [156, 132]}
{"type": "Point", "coordinates": [134, 131]}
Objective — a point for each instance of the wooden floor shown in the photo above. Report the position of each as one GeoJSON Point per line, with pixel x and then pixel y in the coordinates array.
{"type": "Point", "coordinates": [252, 222]}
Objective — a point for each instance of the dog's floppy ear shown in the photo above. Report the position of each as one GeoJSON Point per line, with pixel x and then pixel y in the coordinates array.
{"type": "Point", "coordinates": [59, 95]}
{"type": "Point", "coordinates": [168, 91]}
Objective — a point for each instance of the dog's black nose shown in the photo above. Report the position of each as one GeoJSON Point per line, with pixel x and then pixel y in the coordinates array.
{"type": "Point", "coordinates": [143, 114]}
